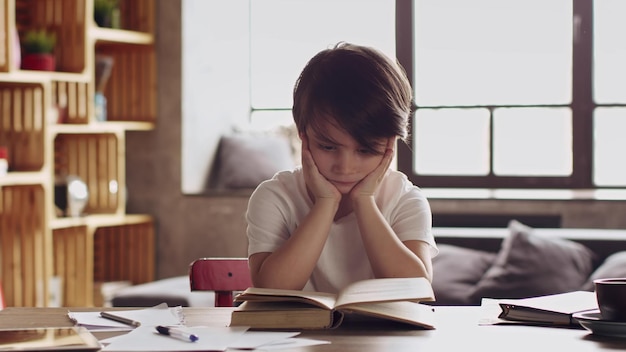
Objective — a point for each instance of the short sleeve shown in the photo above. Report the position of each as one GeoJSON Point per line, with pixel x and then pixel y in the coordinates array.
{"type": "Point", "coordinates": [266, 228]}
{"type": "Point", "coordinates": [407, 210]}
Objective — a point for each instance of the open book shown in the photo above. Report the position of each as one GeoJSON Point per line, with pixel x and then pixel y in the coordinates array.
{"type": "Point", "coordinates": [393, 299]}
{"type": "Point", "coordinates": [556, 309]}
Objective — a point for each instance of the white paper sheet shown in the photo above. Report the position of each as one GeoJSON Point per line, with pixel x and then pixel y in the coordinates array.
{"type": "Point", "coordinates": [158, 315]}
{"type": "Point", "coordinates": [210, 338]}
{"type": "Point", "coordinates": [145, 338]}
{"type": "Point", "coordinates": [255, 339]}
{"type": "Point", "coordinates": [290, 343]}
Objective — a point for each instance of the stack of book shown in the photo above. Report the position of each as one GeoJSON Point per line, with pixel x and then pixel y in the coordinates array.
{"type": "Point", "coordinates": [393, 299]}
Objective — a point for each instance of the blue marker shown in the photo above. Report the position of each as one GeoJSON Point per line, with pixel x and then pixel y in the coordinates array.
{"type": "Point", "coordinates": [177, 333]}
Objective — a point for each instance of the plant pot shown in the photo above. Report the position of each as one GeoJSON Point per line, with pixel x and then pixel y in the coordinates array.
{"type": "Point", "coordinates": [102, 20]}
{"type": "Point", "coordinates": [39, 62]}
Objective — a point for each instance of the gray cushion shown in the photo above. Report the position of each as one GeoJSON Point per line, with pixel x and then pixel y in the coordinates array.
{"type": "Point", "coordinates": [245, 160]}
{"type": "Point", "coordinates": [456, 270]}
{"type": "Point", "coordinates": [613, 266]}
{"type": "Point", "coordinates": [530, 265]}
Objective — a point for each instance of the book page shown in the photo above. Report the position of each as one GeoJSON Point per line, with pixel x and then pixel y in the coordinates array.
{"type": "Point", "coordinates": [406, 312]}
{"type": "Point", "coordinates": [386, 290]}
{"type": "Point", "coordinates": [256, 294]}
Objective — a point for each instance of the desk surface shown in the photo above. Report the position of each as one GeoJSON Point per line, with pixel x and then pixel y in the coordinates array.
{"type": "Point", "coordinates": [456, 329]}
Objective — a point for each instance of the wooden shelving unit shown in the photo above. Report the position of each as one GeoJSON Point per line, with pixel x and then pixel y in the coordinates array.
{"type": "Point", "coordinates": [39, 245]}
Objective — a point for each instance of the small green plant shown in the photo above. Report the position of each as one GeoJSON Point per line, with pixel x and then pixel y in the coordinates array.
{"type": "Point", "coordinates": [39, 42]}
{"type": "Point", "coordinates": [103, 12]}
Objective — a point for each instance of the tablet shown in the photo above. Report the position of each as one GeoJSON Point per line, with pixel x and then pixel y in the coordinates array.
{"type": "Point", "coordinates": [48, 339]}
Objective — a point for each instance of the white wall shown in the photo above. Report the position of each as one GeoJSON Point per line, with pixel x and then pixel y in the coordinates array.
{"type": "Point", "coordinates": [215, 82]}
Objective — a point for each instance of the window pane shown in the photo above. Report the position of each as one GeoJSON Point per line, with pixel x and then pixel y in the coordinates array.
{"type": "Point", "coordinates": [285, 34]}
{"type": "Point", "coordinates": [609, 51]}
{"type": "Point", "coordinates": [264, 119]}
{"type": "Point", "coordinates": [493, 52]}
{"type": "Point", "coordinates": [451, 142]}
{"type": "Point", "coordinates": [609, 146]}
{"type": "Point", "coordinates": [532, 141]}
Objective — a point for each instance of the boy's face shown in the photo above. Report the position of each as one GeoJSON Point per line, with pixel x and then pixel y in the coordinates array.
{"type": "Point", "coordinates": [341, 159]}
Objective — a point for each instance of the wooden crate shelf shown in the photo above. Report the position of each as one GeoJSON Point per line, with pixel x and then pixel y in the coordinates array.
{"type": "Point", "coordinates": [23, 178]}
{"type": "Point", "coordinates": [113, 36]}
{"type": "Point", "coordinates": [72, 248]}
{"type": "Point", "coordinates": [112, 253]}
{"type": "Point", "coordinates": [22, 124]}
{"type": "Point", "coordinates": [7, 43]}
{"type": "Point", "coordinates": [137, 15]}
{"type": "Point", "coordinates": [67, 19]}
{"type": "Point", "coordinates": [23, 254]}
{"type": "Point", "coordinates": [120, 255]}
{"type": "Point", "coordinates": [133, 100]}
{"type": "Point", "coordinates": [100, 220]}
{"type": "Point", "coordinates": [72, 101]}
{"type": "Point", "coordinates": [101, 127]}
{"type": "Point", "coordinates": [95, 159]}
{"type": "Point", "coordinates": [48, 124]}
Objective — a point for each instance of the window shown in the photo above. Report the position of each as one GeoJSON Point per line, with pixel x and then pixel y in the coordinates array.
{"type": "Point", "coordinates": [515, 94]}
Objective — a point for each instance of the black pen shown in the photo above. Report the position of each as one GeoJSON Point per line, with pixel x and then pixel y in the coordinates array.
{"type": "Point", "coordinates": [177, 333]}
{"type": "Point", "coordinates": [119, 319]}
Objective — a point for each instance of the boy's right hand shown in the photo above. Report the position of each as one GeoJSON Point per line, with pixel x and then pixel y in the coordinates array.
{"type": "Point", "coordinates": [317, 184]}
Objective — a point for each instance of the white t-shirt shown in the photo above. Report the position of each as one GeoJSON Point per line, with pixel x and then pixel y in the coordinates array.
{"type": "Point", "coordinates": [278, 205]}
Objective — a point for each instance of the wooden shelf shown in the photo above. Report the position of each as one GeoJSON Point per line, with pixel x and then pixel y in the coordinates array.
{"type": "Point", "coordinates": [121, 36]}
{"type": "Point", "coordinates": [26, 76]}
{"type": "Point", "coordinates": [100, 220]}
{"type": "Point", "coordinates": [36, 246]}
{"type": "Point", "coordinates": [23, 178]}
{"type": "Point", "coordinates": [100, 127]}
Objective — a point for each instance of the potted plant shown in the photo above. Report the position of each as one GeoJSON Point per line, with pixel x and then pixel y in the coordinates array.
{"type": "Point", "coordinates": [104, 12]}
{"type": "Point", "coordinates": [38, 50]}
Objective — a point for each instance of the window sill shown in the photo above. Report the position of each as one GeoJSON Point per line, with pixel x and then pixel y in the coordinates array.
{"type": "Point", "coordinates": [525, 194]}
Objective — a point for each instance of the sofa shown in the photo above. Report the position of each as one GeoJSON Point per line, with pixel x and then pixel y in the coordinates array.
{"type": "Point", "coordinates": [519, 261]}
{"type": "Point", "coordinates": [473, 263]}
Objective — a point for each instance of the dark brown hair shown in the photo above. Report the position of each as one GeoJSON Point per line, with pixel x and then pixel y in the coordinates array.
{"type": "Point", "coordinates": [356, 88]}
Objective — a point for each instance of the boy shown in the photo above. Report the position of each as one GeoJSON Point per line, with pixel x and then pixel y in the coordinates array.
{"type": "Point", "coordinates": [344, 216]}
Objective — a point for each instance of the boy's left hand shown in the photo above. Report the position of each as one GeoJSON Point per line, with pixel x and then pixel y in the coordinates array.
{"type": "Point", "coordinates": [368, 186]}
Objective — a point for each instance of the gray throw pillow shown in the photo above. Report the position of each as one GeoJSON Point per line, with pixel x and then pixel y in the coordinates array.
{"type": "Point", "coordinates": [529, 265]}
{"type": "Point", "coordinates": [456, 270]}
{"type": "Point", "coordinates": [613, 266]}
{"type": "Point", "coordinates": [245, 160]}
